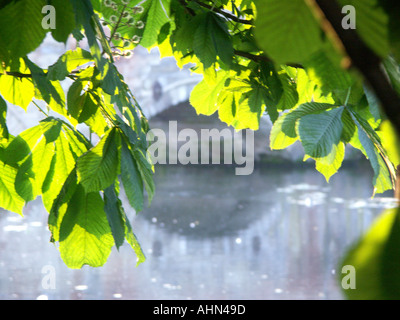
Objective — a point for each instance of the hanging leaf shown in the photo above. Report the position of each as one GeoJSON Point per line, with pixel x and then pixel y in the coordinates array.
{"type": "Point", "coordinates": [98, 168]}
{"type": "Point", "coordinates": [319, 133]}
{"type": "Point", "coordinates": [85, 235]}
{"type": "Point", "coordinates": [158, 15]}
{"type": "Point", "coordinates": [374, 259]}
{"type": "Point", "coordinates": [131, 178]}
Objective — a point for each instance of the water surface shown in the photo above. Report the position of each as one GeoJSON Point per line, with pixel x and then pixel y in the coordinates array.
{"type": "Point", "coordinates": [276, 234]}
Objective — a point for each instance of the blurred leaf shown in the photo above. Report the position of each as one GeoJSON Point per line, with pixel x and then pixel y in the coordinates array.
{"type": "Point", "coordinates": [390, 141]}
{"type": "Point", "coordinates": [287, 30]}
{"type": "Point", "coordinates": [65, 22]}
{"type": "Point", "coordinates": [21, 28]}
{"type": "Point", "coordinates": [3, 118]}
{"type": "Point", "coordinates": [375, 259]}
{"type": "Point", "coordinates": [372, 24]}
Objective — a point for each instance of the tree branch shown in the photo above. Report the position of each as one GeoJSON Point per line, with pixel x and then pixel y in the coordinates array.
{"type": "Point", "coordinates": [365, 60]}
{"type": "Point", "coordinates": [224, 13]}
{"type": "Point", "coordinates": [18, 74]}
{"type": "Point", "coordinates": [254, 57]}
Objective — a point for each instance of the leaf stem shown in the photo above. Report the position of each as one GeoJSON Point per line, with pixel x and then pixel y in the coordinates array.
{"type": "Point", "coordinates": [114, 31]}
{"type": "Point", "coordinates": [40, 109]}
{"type": "Point", "coordinates": [348, 96]}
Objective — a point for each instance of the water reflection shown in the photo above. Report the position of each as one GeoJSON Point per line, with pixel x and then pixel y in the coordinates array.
{"type": "Point", "coordinates": [277, 234]}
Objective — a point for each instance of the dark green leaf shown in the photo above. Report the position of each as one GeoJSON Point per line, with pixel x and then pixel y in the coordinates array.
{"type": "Point", "coordinates": [131, 178]}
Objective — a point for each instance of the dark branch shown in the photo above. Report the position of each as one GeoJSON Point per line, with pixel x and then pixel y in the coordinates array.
{"type": "Point", "coordinates": [18, 74]}
{"type": "Point", "coordinates": [188, 10]}
{"type": "Point", "coordinates": [224, 13]}
{"type": "Point", "coordinates": [365, 60]}
{"type": "Point", "coordinates": [262, 58]}
{"type": "Point", "coordinates": [254, 57]}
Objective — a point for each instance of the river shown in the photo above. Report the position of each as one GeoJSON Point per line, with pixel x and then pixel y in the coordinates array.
{"type": "Point", "coordinates": [276, 234]}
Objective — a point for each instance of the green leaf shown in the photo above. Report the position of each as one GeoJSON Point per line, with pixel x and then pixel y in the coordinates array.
{"type": "Point", "coordinates": [212, 39]}
{"type": "Point", "coordinates": [115, 215]}
{"type": "Point", "coordinates": [366, 141]}
{"type": "Point", "coordinates": [146, 172]}
{"type": "Point", "coordinates": [393, 69]}
{"type": "Point", "coordinates": [18, 91]}
{"type": "Point", "coordinates": [83, 108]}
{"type": "Point", "coordinates": [248, 114]}
{"type": "Point", "coordinates": [3, 118]}
{"type": "Point", "coordinates": [48, 91]}
{"type": "Point", "coordinates": [287, 30]}
{"type": "Point", "coordinates": [283, 132]}
{"type": "Point", "coordinates": [33, 170]}
{"type": "Point", "coordinates": [63, 162]}
{"type": "Point", "coordinates": [374, 260]}
{"type": "Point", "coordinates": [158, 15]}
{"type": "Point", "coordinates": [85, 235]}
{"type": "Point", "coordinates": [119, 222]}
{"type": "Point", "coordinates": [85, 16]}
{"type": "Point", "coordinates": [98, 168]}
{"type": "Point", "coordinates": [68, 62]}
{"type": "Point", "coordinates": [65, 22]}
{"type": "Point", "coordinates": [289, 96]}
{"type": "Point", "coordinates": [330, 164]}
{"type": "Point", "coordinates": [204, 97]}
{"type": "Point", "coordinates": [21, 147]}
{"type": "Point", "coordinates": [9, 198]}
{"type": "Point", "coordinates": [134, 243]}
{"type": "Point", "coordinates": [131, 178]}
{"type": "Point", "coordinates": [372, 24]}
{"type": "Point", "coordinates": [320, 132]}
{"type": "Point", "coordinates": [390, 142]}
{"type": "Point", "coordinates": [22, 31]}
{"type": "Point", "coordinates": [324, 69]}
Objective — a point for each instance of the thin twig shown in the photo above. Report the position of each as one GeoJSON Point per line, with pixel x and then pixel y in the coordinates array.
{"type": "Point", "coordinates": [117, 24]}
{"type": "Point", "coordinates": [40, 109]}
{"type": "Point", "coordinates": [226, 14]}
{"type": "Point", "coordinates": [18, 74]}
{"type": "Point", "coordinates": [254, 57]}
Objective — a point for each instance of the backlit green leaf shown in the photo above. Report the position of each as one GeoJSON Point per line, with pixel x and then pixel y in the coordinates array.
{"type": "Point", "coordinates": [374, 259]}
{"type": "Point", "coordinates": [98, 168]}
{"type": "Point", "coordinates": [85, 235]}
